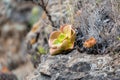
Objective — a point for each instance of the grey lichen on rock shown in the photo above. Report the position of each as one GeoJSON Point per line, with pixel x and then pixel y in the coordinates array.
{"type": "Point", "coordinates": [97, 20]}
{"type": "Point", "coordinates": [76, 66]}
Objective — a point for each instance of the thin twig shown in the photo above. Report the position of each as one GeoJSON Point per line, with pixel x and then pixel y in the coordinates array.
{"type": "Point", "coordinates": [44, 7]}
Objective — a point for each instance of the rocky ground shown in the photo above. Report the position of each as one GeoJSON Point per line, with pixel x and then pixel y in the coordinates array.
{"type": "Point", "coordinates": [78, 66]}
{"type": "Point", "coordinates": [97, 18]}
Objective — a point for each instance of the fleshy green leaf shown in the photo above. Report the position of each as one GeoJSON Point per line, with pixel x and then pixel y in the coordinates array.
{"type": "Point", "coordinates": [118, 38]}
{"type": "Point", "coordinates": [60, 39]}
{"type": "Point", "coordinates": [41, 50]}
{"type": "Point", "coordinates": [57, 42]}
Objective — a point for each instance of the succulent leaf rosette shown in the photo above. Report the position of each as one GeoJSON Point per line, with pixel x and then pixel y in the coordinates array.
{"type": "Point", "coordinates": [62, 39]}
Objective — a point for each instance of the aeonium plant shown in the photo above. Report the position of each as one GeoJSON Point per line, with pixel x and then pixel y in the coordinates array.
{"type": "Point", "coordinates": [62, 40]}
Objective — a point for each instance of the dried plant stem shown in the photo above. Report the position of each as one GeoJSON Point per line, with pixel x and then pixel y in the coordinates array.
{"type": "Point", "coordinates": [43, 5]}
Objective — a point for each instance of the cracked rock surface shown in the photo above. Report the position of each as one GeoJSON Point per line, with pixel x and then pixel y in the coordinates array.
{"type": "Point", "coordinates": [100, 20]}
{"type": "Point", "coordinates": [77, 66]}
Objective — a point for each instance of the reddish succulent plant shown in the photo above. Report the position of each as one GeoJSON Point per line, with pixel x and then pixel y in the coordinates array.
{"type": "Point", "coordinates": [62, 39]}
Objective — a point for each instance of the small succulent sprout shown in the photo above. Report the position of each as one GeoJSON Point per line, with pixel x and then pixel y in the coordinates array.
{"type": "Point", "coordinates": [62, 39]}
{"type": "Point", "coordinates": [35, 15]}
{"type": "Point", "coordinates": [41, 50]}
{"type": "Point", "coordinates": [118, 37]}
{"type": "Point", "coordinates": [35, 10]}
{"type": "Point", "coordinates": [90, 42]}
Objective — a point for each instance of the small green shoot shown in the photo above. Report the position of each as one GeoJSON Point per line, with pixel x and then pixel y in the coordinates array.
{"type": "Point", "coordinates": [41, 50]}
{"type": "Point", "coordinates": [118, 38]}
{"type": "Point", "coordinates": [60, 38]}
